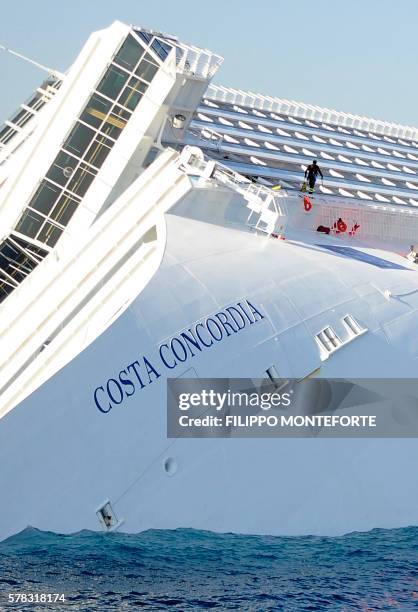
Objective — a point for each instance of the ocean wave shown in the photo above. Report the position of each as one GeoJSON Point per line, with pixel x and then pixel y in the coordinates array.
{"type": "Point", "coordinates": [186, 569]}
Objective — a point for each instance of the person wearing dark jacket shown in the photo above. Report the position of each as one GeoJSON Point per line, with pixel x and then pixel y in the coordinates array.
{"type": "Point", "coordinates": [311, 173]}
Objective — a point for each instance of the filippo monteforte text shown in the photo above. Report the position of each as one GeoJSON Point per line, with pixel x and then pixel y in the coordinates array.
{"type": "Point", "coordinates": [176, 351]}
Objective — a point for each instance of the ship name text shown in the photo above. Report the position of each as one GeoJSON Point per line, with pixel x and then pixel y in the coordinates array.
{"type": "Point", "coordinates": [174, 352]}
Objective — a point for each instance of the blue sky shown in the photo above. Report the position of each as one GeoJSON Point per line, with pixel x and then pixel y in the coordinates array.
{"type": "Point", "coordinates": [359, 56]}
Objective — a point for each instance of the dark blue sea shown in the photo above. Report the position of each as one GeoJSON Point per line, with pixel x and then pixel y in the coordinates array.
{"type": "Point", "coordinates": [193, 570]}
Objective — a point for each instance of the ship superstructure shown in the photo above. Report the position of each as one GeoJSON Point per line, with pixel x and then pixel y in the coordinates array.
{"type": "Point", "coordinates": [146, 211]}
{"type": "Point", "coordinates": [276, 139]}
{"type": "Point", "coordinates": [85, 150]}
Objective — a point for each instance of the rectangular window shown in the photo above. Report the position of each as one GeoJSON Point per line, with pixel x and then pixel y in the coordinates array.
{"type": "Point", "coordinates": [49, 234]}
{"type": "Point", "coordinates": [161, 48]}
{"type": "Point", "coordinates": [15, 262]}
{"type": "Point", "coordinates": [95, 111]}
{"type": "Point", "coordinates": [45, 197]}
{"type": "Point", "coordinates": [113, 82]}
{"type": "Point", "coordinates": [62, 169]}
{"type": "Point", "coordinates": [113, 126]}
{"type": "Point", "coordinates": [132, 94]}
{"type": "Point", "coordinates": [146, 36]}
{"type": "Point", "coordinates": [7, 284]}
{"type": "Point", "coordinates": [146, 70]}
{"type": "Point", "coordinates": [8, 254]}
{"type": "Point", "coordinates": [121, 113]}
{"type": "Point", "coordinates": [129, 54]}
{"type": "Point", "coordinates": [98, 151]}
{"type": "Point", "coordinates": [81, 180]}
{"type": "Point", "coordinates": [6, 288]}
{"type": "Point", "coordinates": [30, 223]}
{"type": "Point", "coordinates": [79, 139]}
{"type": "Point", "coordinates": [26, 246]}
{"type": "Point", "coordinates": [64, 209]}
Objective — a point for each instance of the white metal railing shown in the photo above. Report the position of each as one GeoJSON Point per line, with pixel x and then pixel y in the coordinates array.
{"type": "Point", "coordinates": [189, 58]}
{"type": "Point", "coordinates": [25, 125]}
{"type": "Point", "coordinates": [309, 111]}
{"type": "Point", "coordinates": [199, 62]}
{"type": "Point", "coordinates": [268, 205]}
{"type": "Point", "coordinates": [207, 136]}
{"type": "Point", "coordinates": [387, 223]}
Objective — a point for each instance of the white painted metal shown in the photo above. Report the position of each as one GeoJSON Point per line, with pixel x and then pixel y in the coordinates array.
{"type": "Point", "coordinates": [41, 339]}
{"type": "Point", "coordinates": [298, 109]}
{"type": "Point", "coordinates": [153, 252]}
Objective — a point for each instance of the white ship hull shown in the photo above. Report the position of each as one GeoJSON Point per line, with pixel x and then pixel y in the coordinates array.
{"type": "Point", "coordinates": [62, 458]}
{"type": "Point", "coordinates": [114, 247]}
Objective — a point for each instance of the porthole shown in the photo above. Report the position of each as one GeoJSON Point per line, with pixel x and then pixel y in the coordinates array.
{"type": "Point", "coordinates": [170, 466]}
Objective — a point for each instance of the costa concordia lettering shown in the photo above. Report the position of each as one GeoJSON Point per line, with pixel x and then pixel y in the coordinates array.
{"type": "Point", "coordinates": [202, 335]}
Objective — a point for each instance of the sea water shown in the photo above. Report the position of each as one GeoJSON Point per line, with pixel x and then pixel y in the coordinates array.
{"type": "Point", "coordinates": [191, 570]}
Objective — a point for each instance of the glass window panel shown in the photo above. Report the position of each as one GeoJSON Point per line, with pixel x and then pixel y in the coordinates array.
{"type": "Point", "coordinates": [146, 70]}
{"type": "Point", "coordinates": [112, 83]}
{"type": "Point", "coordinates": [45, 197]}
{"type": "Point", "coordinates": [95, 111]}
{"type": "Point", "coordinates": [30, 223]}
{"type": "Point", "coordinates": [121, 112]}
{"type": "Point", "coordinates": [133, 93]}
{"type": "Point", "coordinates": [113, 126]}
{"type": "Point", "coordinates": [137, 84]}
{"type": "Point", "coordinates": [150, 59]}
{"type": "Point", "coordinates": [18, 275]}
{"type": "Point", "coordinates": [81, 180]}
{"type": "Point", "coordinates": [146, 37]}
{"type": "Point", "coordinates": [8, 253]}
{"type": "Point", "coordinates": [35, 250]}
{"type": "Point", "coordinates": [64, 209]}
{"type": "Point", "coordinates": [49, 234]}
{"type": "Point", "coordinates": [12, 257]}
{"type": "Point", "coordinates": [15, 262]}
{"type": "Point", "coordinates": [79, 139]}
{"type": "Point", "coordinates": [161, 48]}
{"type": "Point", "coordinates": [62, 168]}
{"type": "Point", "coordinates": [5, 289]}
{"type": "Point", "coordinates": [98, 151]}
{"type": "Point", "coordinates": [129, 53]}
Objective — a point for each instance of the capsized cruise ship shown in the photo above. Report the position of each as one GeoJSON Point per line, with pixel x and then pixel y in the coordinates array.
{"type": "Point", "coordinates": [140, 206]}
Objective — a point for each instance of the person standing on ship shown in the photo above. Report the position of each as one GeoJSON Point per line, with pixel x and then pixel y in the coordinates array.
{"type": "Point", "coordinates": [311, 173]}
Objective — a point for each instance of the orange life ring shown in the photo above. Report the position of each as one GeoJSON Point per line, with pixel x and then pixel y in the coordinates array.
{"type": "Point", "coordinates": [307, 204]}
{"type": "Point", "coordinates": [342, 226]}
